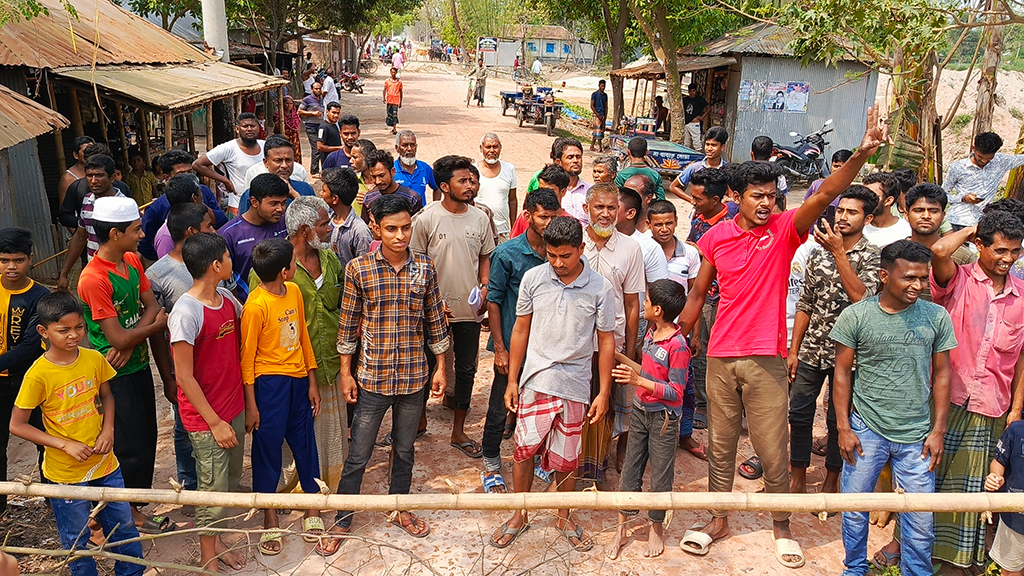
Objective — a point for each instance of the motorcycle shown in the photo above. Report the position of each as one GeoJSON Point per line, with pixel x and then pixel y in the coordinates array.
{"type": "Point", "coordinates": [805, 159]}
{"type": "Point", "coordinates": [350, 82]}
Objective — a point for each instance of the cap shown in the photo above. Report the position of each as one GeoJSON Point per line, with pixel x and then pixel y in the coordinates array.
{"type": "Point", "coordinates": [115, 209]}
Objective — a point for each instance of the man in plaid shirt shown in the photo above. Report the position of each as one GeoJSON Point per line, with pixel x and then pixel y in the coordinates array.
{"type": "Point", "coordinates": [392, 294]}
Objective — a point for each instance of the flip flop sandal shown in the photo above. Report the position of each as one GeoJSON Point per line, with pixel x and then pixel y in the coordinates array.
{"type": "Point", "coordinates": [699, 452]}
{"type": "Point", "coordinates": [397, 521]}
{"type": "Point", "coordinates": [492, 481]}
{"type": "Point", "coordinates": [310, 526]}
{"type": "Point", "coordinates": [468, 447]}
{"type": "Point", "coordinates": [273, 536]}
{"type": "Point", "coordinates": [696, 542]}
{"type": "Point", "coordinates": [789, 547]}
{"type": "Point", "coordinates": [584, 545]}
{"type": "Point", "coordinates": [514, 532]}
{"type": "Point", "coordinates": [388, 440]}
{"type": "Point", "coordinates": [820, 446]}
{"type": "Point", "coordinates": [888, 559]}
{"type": "Point", "coordinates": [754, 464]}
{"type": "Point", "coordinates": [542, 474]}
{"type": "Point", "coordinates": [157, 525]}
{"type": "Point", "coordinates": [326, 540]}
{"type": "Point", "coordinates": [509, 430]}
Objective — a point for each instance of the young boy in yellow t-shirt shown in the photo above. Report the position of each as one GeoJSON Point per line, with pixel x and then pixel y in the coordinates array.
{"type": "Point", "coordinates": [278, 372]}
{"type": "Point", "coordinates": [64, 383]}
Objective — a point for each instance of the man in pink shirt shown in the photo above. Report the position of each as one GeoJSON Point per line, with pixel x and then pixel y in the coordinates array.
{"type": "Point", "coordinates": [986, 304]}
{"type": "Point", "coordinates": [750, 257]}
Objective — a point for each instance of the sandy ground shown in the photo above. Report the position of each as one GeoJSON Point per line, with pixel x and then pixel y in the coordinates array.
{"type": "Point", "coordinates": [435, 109]}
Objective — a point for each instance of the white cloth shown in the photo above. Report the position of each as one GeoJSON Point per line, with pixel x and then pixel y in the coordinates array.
{"type": "Point", "coordinates": [236, 163]}
{"type": "Point", "coordinates": [536, 68]}
{"type": "Point", "coordinates": [298, 173]}
{"type": "Point", "coordinates": [494, 194]}
{"type": "Point", "coordinates": [882, 237]}
{"type": "Point", "coordinates": [796, 283]}
{"type": "Point", "coordinates": [307, 84]}
{"type": "Point", "coordinates": [330, 93]}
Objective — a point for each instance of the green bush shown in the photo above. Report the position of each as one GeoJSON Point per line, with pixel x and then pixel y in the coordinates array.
{"type": "Point", "coordinates": [1016, 113]}
{"type": "Point", "coordinates": [960, 121]}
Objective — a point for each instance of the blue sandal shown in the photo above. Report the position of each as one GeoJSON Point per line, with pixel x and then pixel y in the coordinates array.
{"type": "Point", "coordinates": [491, 481]}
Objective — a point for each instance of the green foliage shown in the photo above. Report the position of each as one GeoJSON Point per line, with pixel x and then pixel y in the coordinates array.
{"type": "Point", "coordinates": [960, 121]}
{"type": "Point", "coordinates": [168, 10]}
{"type": "Point", "coordinates": [1016, 113]}
{"type": "Point", "coordinates": [18, 10]}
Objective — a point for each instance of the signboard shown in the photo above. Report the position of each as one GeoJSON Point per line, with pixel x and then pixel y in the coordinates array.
{"type": "Point", "coordinates": [487, 44]}
{"type": "Point", "coordinates": [773, 96]}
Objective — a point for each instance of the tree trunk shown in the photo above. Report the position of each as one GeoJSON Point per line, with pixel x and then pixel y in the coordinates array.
{"type": "Point", "coordinates": [459, 32]}
{"type": "Point", "coordinates": [1015, 183]}
{"type": "Point", "coordinates": [616, 31]}
{"type": "Point", "coordinates": [993, 39]}
{"type": "Point", "coordinates": [664, 46]}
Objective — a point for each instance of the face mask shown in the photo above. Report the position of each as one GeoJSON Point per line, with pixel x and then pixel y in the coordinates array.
{"type": "Point", "coordinates": [408, 161]}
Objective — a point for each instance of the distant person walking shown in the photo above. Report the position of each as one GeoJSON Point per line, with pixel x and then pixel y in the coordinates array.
{"type": "Point", "coordinates": [393, 99]}
{"type": "Point", "coordinates": [599, 108]}
{"type": "Point", "coordinates": [479, 74]}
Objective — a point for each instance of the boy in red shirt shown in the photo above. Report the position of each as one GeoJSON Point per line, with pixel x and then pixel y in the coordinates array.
{"type": "Point", "coordinates": [393, 99]}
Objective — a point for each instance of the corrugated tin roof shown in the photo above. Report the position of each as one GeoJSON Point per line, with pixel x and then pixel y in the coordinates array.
{"type": "Point", "coordinates": [56, 40]}
{"type": "Point", "coordinates": [654, 70]}
{"type": "Point", "coordinates": [545, 32]}
{"type": "Point", "coordinates": [171, 87]}
{"type": "Point", "coordinates": [764, 39]}
{"type": "Point", "coordinates": [22, 119]}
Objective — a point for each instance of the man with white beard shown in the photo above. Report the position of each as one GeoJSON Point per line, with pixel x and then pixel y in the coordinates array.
{"type": "Point", "coordinates": [497, 185]}
{"type": "Point", "coordinates": [414, 174]}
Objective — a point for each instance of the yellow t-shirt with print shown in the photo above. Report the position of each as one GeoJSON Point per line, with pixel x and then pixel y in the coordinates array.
{"type": "Point", "coordinates": [69, 399]}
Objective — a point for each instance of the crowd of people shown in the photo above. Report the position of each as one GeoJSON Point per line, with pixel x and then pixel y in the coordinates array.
{"type": "Point", "coordinates": [310, 313]}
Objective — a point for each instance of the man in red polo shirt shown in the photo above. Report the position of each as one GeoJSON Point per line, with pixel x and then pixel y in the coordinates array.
{"type": "Point", "coordinates": [750, 258]}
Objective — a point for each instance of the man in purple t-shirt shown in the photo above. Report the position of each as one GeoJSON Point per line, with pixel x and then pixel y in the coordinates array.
{"type": "Point", "coordinates": [264, 219]}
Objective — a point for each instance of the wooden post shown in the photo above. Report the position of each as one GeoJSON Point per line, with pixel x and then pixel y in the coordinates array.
{"type": "Point", "coordinates": [58, 137]}
{"type": "Point", "coordinates": [142, 124]}
{"type": "Point", "coordinates": [644, 98]}
{"type": "Point", "coordinates": [103, 122]}
{"type": "Point", "coordinates": [124, 137]}
{"type": "Point", "coordinates": [632, 111]}
{"type": "Point", "coordinates": [209, 126]}
{"type": "Point", "coordinates": [238, 107]}
{"type": "Point", "coordinates": [280, 109]}
{"type": "Point", "coordinates": [168, 131]}
{"type": "Point", "coordinates": [190, 127]}
{"type": "Point", "coordinates": [76, 114]}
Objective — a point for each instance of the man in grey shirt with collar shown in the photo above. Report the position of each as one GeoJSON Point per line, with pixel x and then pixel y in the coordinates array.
{"type": "Point", "coordinates": [560, 305]}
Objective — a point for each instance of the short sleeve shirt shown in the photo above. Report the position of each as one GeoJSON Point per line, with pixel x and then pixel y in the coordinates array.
{"type": "Point", "coordinates": [752, 268]}
{"type": "Point", "coordinates": [494, 193]}
{"type": "Point", "coordinates": [892, 385]}
{"type": "Point", "coordinates": [599, 100]}
{"type": "Point", "coordinates": [666, 362]}
{"type": "Point", "coordinates": [85, 220]}
{"type": "Point", "coordinates": [68, 397]}
{"type": "Point", "coordinates": [170, 279]}
{"type": "Point", "coordinates": [693, 107]}
{"type": "Point", "coordinates": [684, 264]}
{"type": "Point", "coordinates": [622, 263]}
{"type": "Point", "coordinates": [1010, 453]}
{"type": "Point", "coordinates": [215, 338]}
{"type": "Point", "coordinates": [509, 263]}
{"type": "Point", "coordinates": [236, 163]}
{"type": "Point", "coordinates": [106, 292]}
{"type": "Point", "coordinates": [556, 364]}
{"type": "Point", "coordinates": [329, 134]}
{"type": "Point", "coordinates": [393, 92]}
{"type": "Point", "coordinates": [455, 243]}
{"type": "Point", "coordinates": [242, 236]}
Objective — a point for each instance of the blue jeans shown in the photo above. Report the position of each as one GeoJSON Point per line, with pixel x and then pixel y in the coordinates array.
{"type": "Point", "coordinates": [911, 473]}
{"type": "Point", "coordinates": [370, 410]}
{"type": "Point", "coordinates": [116, 518]}
{"type": "Point", "coordinates": [183, 459]}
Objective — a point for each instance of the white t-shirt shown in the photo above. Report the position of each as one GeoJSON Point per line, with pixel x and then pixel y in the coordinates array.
{"type": "Point", "coordinates": [307, 84]}
{"type": "Point", "coordinates": [536, 67]}
{"type": "Point", "coordinates": [494, 194]}
{"type": "Point", "coordinates": [685, 267]}
{"type": "Point", "coordinates": [655, 266]}
{"type": "Point", "coordinates": [882, 237]}
{"type": "Point", "coordinates": [236, 163]}
{"type": "Point", "coordinates": [796, 283]}
{"type": "Point", "coordinates": [298, 173]}
{"type": "Point", "coordinates": [330, 93]}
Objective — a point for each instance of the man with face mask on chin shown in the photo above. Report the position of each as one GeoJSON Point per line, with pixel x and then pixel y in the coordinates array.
{"type": "Point", "coordinates": [497, 184]}
{"type": "Point", "coordinates": [414, 174]}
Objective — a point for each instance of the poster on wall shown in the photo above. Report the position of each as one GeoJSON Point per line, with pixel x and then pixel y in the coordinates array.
{"type": "Point", "coordinates": [796, 97]}
{"type": "Point", "coordinates": [485, 44]}
{"type": "Point", "coordinates": [751, 95]}
{"type": "Point", "coordinates": [775, 96]}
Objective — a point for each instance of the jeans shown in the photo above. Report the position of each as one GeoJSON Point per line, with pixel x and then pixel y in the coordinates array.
{"type": "Point", "coordinates": [370, 410]}
{"type": "Point", "coordinates": [315, 158]}
{"type": "Point", "coordinates": [494, 424]}
{"type": "Point", "coordinates": [116, 518]}
{"type": "Point", "coordinates": [759, 386]}
{"type": "Point", "coordinates": [652, 439]}
{"type": "Point", "coordinates": [183, 459]}
{"type": "Point", "coordinates": [700, 362]}
{"type": "Point", "coordinates": [803, 402]}
{"type": "Point", "coordinates": [911, 473]}
{"type": "Point", "coordinates": [465, 346]}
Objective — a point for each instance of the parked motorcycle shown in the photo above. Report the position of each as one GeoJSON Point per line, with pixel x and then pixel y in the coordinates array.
{"type": "Point", "coordinates": [805, 159]}
{"type": "Point", "coordinates": [350, 82]}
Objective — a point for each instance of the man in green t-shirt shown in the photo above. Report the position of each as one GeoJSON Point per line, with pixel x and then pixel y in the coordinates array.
{"type": "Point", "coordinates": [901, 345]}
{"type": "Point", "coordinates": [637, 150]}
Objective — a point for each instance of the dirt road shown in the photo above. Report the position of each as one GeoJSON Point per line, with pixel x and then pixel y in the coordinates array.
{"type": "Point", "coordinates": [435, 108]}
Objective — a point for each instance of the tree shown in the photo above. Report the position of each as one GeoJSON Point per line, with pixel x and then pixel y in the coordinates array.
{"type": "Point", "coordinates": [18, 10]}
{"type": "Point", "coordinates": [384, 16]}
{"type": "Point", "coordinates": [986, 104]}
{"type": "Point", "coordinates": [170, 11]}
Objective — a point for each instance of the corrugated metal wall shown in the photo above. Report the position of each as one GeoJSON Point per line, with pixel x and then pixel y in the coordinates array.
{"type": "Point", "coordinates": [846, 104]}
{"type": "Point", "coordinates": [23, 200]}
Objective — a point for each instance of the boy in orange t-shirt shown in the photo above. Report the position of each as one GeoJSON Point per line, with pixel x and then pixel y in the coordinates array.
{"type": "Point", "coordinates": [393, 99]}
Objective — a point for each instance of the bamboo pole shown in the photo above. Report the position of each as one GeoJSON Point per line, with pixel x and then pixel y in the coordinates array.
{"type": "Point", "coordinates": [58, 136]}
{"type": "Point", "coordinates": [142, 124]}
{"type": "Point", "coordinates": [591, 500]}
{"type": "Point", "coordinates": [76, 113]}
{"type": "Point", "coordinates": [103, 121]}
{"type": "Point", "coordinates": [209, 126]}
{"type": "Point", "coordinates": [636, 88]}
{"type": "Point", "coordinates": [123, 136]}
{"type": "Point", "coordinates": [191, 129]}
{"type": "Point", "coordinates": [168, 131]}
{"type": "Point", "coordinates": [279, 125]}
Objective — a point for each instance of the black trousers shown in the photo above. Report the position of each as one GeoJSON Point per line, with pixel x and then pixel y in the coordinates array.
{"type": "Point", "coordinates": [8, 393]}
{"type": "Point", "coordinates": [135, 428]}
{"type": "Point", "coordinates": [803, 400]}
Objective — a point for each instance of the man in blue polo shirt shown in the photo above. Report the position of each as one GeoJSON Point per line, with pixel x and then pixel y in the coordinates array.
{"type": "Point", "coordinates": [279, 158]}
{"type": "Point", "coordinates": [414, 174]}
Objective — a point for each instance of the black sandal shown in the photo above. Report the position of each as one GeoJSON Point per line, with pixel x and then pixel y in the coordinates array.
{"type": "Point", "coordinates": [754, 464]}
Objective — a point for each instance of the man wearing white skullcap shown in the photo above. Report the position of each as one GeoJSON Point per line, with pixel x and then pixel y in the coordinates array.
{"type": "Point", "coordinates": [121, 313]}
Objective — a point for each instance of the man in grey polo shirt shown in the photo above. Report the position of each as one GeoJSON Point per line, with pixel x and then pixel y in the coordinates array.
{"type": "Point", "coordinates": [571, 301]}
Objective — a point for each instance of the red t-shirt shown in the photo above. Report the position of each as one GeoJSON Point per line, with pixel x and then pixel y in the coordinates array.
{"type": "Point", "coordinates": [753, 275]}
{"type": "Point", "coordinates": [216, 361]}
